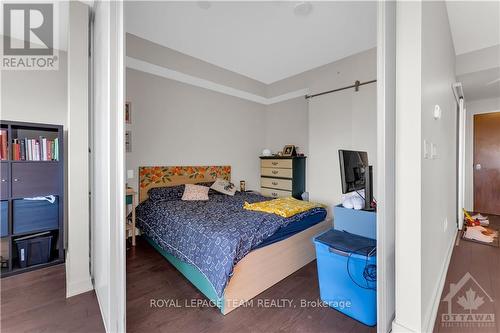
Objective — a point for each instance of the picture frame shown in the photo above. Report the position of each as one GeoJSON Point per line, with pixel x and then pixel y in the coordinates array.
{"type": "Point", "coordinates": [128, 113]}
{"type": "Point", "coordinates": [128, 141]}
{"type": "Point", "coordinates": [289, 150]}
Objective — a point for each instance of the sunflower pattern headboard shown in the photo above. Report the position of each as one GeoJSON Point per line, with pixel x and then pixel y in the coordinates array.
{"type": "Point", "coordinates": [159, 176]}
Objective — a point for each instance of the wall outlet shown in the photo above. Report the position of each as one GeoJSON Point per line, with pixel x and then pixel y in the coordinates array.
{"type": "Point", "coordinates": [130, 174]}
{"type": "Point", "coordinates": [434, 153]}
{"type": "Point", "coordinates": [445, 224]}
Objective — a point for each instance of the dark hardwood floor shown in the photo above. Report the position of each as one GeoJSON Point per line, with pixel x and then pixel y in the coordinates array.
{"type": "Point", "coordinates": [151, 277]}
{"type": "Point", "coordinates": [483, 264]}
{"type": "Point", "coordinates": [36, 302]}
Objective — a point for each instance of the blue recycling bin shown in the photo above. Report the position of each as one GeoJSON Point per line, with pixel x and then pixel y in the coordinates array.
{"type": "Point", "coordinates": [347, 274]}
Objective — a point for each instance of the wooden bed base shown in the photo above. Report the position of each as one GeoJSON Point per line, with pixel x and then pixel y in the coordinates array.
{"type": "Point", "coordinates": [258, 270]}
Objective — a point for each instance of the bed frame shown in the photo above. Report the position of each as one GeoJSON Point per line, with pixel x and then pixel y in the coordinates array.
{"type": "Point", "coordinates": [258, 270]}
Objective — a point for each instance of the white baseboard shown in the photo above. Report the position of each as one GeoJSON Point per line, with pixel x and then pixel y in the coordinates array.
{"type": "Point", "coordinates": [431, 316]}
{"type": "Point", "coordinates": [78, 287]}
{"type": "Point", "coordinates": [397, 328]}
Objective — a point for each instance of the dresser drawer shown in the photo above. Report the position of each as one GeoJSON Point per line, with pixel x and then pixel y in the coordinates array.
{"type": "Point", "coordinates": [268, 192]}
{"type": "Point", "coordinates": [274, 172]}
{"type": "Point", "coordinates": [277, 163]}
{"type": "Point", "coordinates": [278, 183]}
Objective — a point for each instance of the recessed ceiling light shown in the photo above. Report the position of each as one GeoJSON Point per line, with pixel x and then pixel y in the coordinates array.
{"type": "Point", "coordinates": [204, 4]}
{"type": "Point", "coordinates": [302, 8]}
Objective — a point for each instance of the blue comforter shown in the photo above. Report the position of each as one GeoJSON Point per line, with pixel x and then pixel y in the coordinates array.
{"type": "Point", "coordinates": [211, 235]}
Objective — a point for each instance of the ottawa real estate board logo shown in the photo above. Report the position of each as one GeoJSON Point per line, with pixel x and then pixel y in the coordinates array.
{"type": "Point", "coordinates": [468, 305]}
{"type": "Point", "coordinates": [28, 37]}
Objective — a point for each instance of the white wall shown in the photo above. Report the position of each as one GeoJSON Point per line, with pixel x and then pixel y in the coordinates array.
{"type": "Point", "coordinates": [36, 96]}
{"type": "Point", "coordinates": [78, 252]}
{"type": "Point", "coordinates": [439, 175]}
{"type": "Point", "coordinates": [425, 188]}
{"type": "Point", "coordinates": [286, 124]}
{"type": "Point", "coordinates": [472, 108]}
{"type": "Point", "coordinates": [178, 124]}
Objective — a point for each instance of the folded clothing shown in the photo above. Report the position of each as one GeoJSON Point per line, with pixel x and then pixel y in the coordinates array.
{"type": "Point", "coordinates": [284, 207]}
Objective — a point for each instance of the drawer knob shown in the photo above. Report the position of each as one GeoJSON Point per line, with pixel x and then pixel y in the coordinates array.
{"type": "Point", "coordinates": [4, 180]}
{"type": "Point", "coordinates": [275, 183]}
{"type": "Point", "coordinates": [275, 172]}
{"type": "Point", "coordinates": [274, 163]}
{"type": "Point", "coordinates": [16, 179]}
{"type": "Point", "coordinates": [274, 194]}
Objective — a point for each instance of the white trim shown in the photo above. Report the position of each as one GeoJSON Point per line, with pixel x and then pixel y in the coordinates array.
{"type": "Point", "coordinates": [74, 288]}
{"type": "Point", "coordinates": [429, 325]}
{"type": "Point", "coordinates": [150, 68]}
{"type": "Point", "coordinates": [386, 130]}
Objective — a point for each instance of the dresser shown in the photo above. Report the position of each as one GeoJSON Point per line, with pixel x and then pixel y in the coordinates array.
{"type": "Point", "coordinates": [282, 176]}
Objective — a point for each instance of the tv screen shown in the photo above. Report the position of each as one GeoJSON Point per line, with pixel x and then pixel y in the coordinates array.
{"type": "Point", "coordinates": [352, 169]}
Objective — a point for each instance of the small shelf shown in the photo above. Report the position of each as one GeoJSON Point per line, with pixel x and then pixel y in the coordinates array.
{"type": "Point", "coordinates": [24, 161]}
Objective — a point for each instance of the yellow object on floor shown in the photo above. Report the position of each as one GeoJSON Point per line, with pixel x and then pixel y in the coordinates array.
{"type": "Point", "coordinates": [284, 207]}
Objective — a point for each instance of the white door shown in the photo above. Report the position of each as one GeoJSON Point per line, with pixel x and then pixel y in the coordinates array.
{"type": "Point", "coordinates": [108, 187]}
{"type": "Point", "coordinates": [386, 159]}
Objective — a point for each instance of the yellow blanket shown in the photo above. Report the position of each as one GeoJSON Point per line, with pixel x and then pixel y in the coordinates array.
{"type": "Point", "coordinates": [285, 207]}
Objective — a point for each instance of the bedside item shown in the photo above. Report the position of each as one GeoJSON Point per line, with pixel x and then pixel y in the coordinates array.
{"type": "Point", "coordinates": [283, 176]}
{"type": "Point", "coordinates": [289, 150]}
{"type": "Point", "coordinates": [242, 186]}
{"type": "Point", "coordinates": [130, 199]}
{"type": "Point", "coordinates": [195, 193]}
{"type": "Point", "coordinates": [266, 152]}
{"type": "Point", "coordinates": [358, 222]}
{"type": "Point", "coordinates": [224, 186]}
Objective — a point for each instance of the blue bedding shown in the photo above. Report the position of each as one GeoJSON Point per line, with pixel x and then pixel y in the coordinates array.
{"type": "Point", "coordinates": [212, 235]}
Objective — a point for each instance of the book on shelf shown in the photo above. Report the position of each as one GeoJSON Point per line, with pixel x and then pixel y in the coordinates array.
{"type": "Point", "coordinates": [3, 144]}
{"type": "Point", "coordinates": [40, 149]}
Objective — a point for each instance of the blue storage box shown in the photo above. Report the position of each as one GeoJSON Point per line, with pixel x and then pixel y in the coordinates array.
{"type": "Point", "coordinates": [347, 274]}
{"type": "Point", "coordinates": [358, 222]}
{"type": "Point", "coordinates": [4, 219]}
{"type": "Point", "coordinates": [35, 215]}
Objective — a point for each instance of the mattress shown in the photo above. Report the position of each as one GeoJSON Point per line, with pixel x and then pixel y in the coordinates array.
{"type": "Point", "coordinates": [291, 229]}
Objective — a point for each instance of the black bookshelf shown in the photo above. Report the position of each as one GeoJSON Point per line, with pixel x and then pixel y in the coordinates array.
{"type": "Point", "coordinates": [26, 179]}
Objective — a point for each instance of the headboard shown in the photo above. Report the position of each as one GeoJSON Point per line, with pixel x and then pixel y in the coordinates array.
{"type": "Point", "coordinates": [160, 176]}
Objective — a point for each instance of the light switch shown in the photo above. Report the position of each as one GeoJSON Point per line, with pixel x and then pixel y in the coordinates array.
{"type": "Point", "coordinates": [426, 149]}
{"type": "Point", "coordinates": [130, 174]}
{"type": "Point", "coordinates": [434, 153]}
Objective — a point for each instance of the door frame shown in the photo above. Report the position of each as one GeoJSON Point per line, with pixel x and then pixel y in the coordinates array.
{"type": "Point", "coordinates": [108, 180]}
{"type": "Point", "coordinates": [386, 159]}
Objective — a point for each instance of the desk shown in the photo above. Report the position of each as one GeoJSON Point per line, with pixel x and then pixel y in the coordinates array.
{"type": "Point", "coordinates": [130, 199]}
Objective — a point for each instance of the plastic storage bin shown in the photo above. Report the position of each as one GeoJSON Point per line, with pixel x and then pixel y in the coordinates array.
{"type": "Point", "coordinates": [4, 219]}
{"type": "Point", "coordinates": [347, 274]}
{"type": "Point", "coordinates": [33, 251]}
{"type": "Point", "coordinates": [35, 215]}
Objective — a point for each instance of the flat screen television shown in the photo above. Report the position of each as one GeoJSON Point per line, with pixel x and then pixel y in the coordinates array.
{"type": "Point", "coordinates": [356, 174]}
{"type": "Point", "coordinates": [353, 165]}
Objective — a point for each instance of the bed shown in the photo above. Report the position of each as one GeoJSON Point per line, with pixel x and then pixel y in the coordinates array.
{"type": "Point", "coordinates": [231, 255]}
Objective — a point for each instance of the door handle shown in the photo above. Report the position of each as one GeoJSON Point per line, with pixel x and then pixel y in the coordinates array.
{"type": "Point", "coordinates": [478, 166]}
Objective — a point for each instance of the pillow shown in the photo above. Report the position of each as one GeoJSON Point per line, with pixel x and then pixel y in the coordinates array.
{"type": "Point", "coordinates": [166, 193]}
{"type": "Point", "coordinates": [208, 184]}
{"type": "Point", "coordinates": [224, 186]}
{"type": "Point", "coordinates": [285, 207]}
{"type": "Point", "coordinates": [195, 193]}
